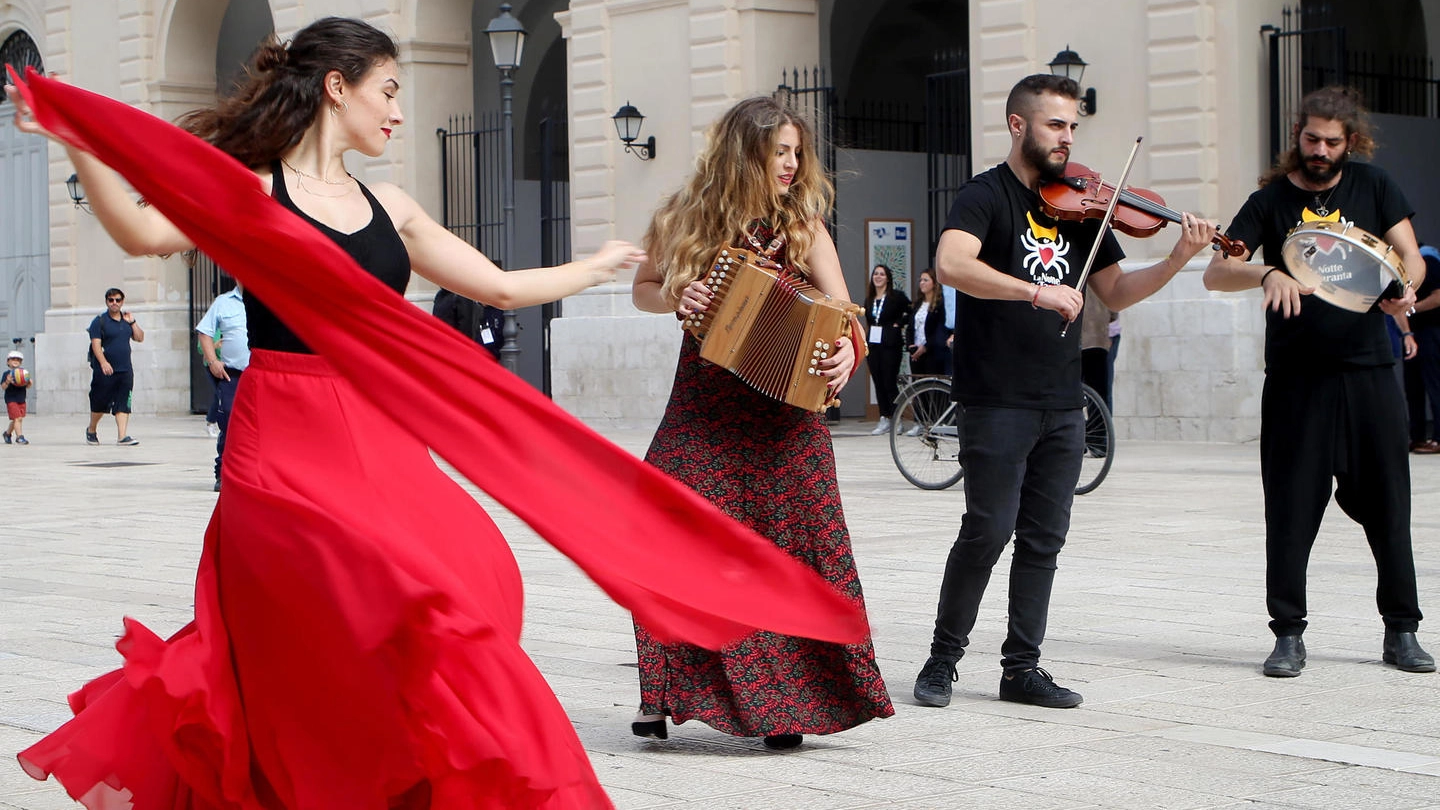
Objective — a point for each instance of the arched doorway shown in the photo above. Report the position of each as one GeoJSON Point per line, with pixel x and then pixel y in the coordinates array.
{"type": "Point", "coordinates": [899, 73]}
{"type": "Point", "coordinates": [24, 217]}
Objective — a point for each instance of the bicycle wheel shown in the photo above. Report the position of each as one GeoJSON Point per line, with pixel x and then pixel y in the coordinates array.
{"type": "Point", "coordinates": [1099, 442]}
{"type": "Point", "coordinates": [925, 435]}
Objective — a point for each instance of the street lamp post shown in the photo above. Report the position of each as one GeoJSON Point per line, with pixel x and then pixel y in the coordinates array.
{"type": "Point", "coordinates": [507, 43]}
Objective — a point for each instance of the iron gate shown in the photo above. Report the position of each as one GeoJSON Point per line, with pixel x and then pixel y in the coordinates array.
{"type": "Point", "coordinates": [207, 282]}
{"type": "Point", "coordinates": [472, 149]}
{"type": "Point", "coordinates": [554, 215]}
{"type": "Point", "coordinates": [1301, 60]}
{"type": "Point", "coordinates": [947, 136]}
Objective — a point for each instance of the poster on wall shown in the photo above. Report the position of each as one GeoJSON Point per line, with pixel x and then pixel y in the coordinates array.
{"type": "Point", "coordinates": [888, 242]}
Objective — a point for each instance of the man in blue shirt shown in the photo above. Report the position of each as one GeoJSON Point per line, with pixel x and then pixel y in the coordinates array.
{"type": "Point", "coordinates": [112, 377]}
{"type": "Point", "coordinates": [226, 318]}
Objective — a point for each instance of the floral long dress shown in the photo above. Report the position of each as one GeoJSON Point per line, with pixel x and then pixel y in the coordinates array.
{"type": "Point", "coordinates": [772, 467]}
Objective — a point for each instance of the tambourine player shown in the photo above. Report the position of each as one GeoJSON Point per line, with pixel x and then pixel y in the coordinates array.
{"type": "Point", "coordinates": [1331, 409]}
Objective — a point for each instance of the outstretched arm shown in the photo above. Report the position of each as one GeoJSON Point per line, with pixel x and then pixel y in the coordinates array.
{"type": "Point", "coordinates": [138, 229]}
{"type": "Point", "coordinates": [1118, 290]}
{"type": "Point", "coordinates": [444, 258]}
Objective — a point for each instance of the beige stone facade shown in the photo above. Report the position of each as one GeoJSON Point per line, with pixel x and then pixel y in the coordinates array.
{"type": "Point", "coordinates": [1188, 75]}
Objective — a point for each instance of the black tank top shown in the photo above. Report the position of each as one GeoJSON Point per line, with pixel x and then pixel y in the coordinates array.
{"type": "Point", "coordinates": [376, 247]}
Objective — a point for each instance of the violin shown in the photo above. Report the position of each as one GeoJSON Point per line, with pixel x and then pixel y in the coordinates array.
{"type": "Point", "coordinates": [1081, 195]}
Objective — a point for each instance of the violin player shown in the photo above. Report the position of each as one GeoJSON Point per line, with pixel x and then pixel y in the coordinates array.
{"type": "Point", "coordinates": [1330, 409]}
{"type": "Point", "coordinates": [1018, 377]}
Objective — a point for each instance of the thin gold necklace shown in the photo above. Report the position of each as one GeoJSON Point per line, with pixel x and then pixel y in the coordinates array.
{"type": "Point", "coordinates": [300, 178]}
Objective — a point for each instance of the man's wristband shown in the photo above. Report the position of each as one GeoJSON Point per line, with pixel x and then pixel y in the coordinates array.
{"type": "Point", "coordinates": [1407, 334]}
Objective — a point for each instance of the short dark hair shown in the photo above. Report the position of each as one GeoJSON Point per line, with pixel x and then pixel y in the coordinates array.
{"type": "Point", "coordinates": [1026, 91]}
{"type": "Point", "coordinates": [115, 291]}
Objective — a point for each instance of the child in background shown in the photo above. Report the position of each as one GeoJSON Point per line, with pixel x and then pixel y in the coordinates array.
{"type": "Point", "coordinates": [13, 381]}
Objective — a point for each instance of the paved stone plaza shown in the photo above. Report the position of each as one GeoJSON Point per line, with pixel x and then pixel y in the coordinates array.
{"type": "Point", "coordinates": [1157, 618]}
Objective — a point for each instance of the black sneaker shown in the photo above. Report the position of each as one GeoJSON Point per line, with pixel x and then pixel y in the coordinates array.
{"type": "Point", "coordinates": [1036, 687]}
{"type": "Point", "coordinates": [91, 438]}
{"type": "Point", "coordinates": [7, 437]}
{"type": "Point", "coordinates": [128, 441]}
{"type": "Point", "coordinates": [932, 686]}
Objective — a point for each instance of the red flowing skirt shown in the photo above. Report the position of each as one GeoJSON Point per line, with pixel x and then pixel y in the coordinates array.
{"type": "Point", "coordinates": [355, 643]}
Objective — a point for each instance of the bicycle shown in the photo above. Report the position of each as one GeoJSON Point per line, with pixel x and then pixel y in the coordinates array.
{"type": "Point", "coordinates": [925, 436]}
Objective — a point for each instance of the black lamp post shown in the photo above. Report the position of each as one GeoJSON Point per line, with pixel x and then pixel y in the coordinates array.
{"type": "Point", "coordinates": [1068, 63]}
{"type": "Point", "coordinates": [507, 43]}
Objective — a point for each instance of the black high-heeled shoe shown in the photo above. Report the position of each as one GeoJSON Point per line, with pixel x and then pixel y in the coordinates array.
{"type": "Point", "coordinates": [650, 728]}
{"type": "Point", "coordinates": [782, 742]}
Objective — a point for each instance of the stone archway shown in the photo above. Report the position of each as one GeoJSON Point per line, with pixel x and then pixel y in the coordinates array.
{"type": "Point", "coordinates": [24, 213]}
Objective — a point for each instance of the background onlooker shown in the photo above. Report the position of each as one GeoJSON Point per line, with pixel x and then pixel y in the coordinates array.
{"type": "Point", "coordinates": [1422, 371]}
{"type": "Point", "coordinates": [481, 323]}
{"type": "Point", "coordinates": [929, 336]}
{"type": "Point", "coordinates": [226, 359]}
{"type": "Point", "coordinates": [112, 377]}
{"type": "Point", "coordinates": [14, 385]}
{"type": "Point", "coordinates": [887, 314]}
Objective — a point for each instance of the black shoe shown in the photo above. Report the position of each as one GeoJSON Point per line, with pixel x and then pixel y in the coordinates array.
{"type": "Point", "coordinates": [1287, 659]}
{"type": "Point", "coordinates": [7, 437]}
{"type": "Point", "coordinates": [1402, 650]}
{"type": "Point", "coordinates": [782, 742]}
{"type": "Point", "coordinates": [91, 438]}
{"type": "Point", "coordinates": [1036, 687]}
{"type": "Point", "coordinates": [650, 728]}
{"type": "Point", "coordinates": [217, 484]}
{"type": "Point", "coordinates": [932, 685]}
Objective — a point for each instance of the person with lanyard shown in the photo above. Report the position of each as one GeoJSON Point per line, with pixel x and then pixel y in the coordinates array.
{"type": "Point", "coordinates": [1330, 410]}
{"type": "Point", "coordinates": [1017, 373]}
{"type": "Point", "coordinates": [887, 313]}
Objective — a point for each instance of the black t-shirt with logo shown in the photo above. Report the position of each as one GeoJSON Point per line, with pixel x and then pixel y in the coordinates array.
{"type": "Point", "coordinates": [1322, 336]}
{"type": "Point", "coordinates": [1014, 356]}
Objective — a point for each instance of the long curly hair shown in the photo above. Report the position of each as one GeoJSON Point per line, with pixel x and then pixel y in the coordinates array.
{"type": "Point", "coordinates": [284, 88]}
{"type": "Point", "coordinates": [1333, 103]}
{"type": "Point", "coordinates": [732, 189]}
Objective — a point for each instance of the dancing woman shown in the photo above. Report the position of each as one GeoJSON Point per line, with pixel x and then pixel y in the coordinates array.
{"type": "Point", "coordinates": [357, 615]}
{"type": "Point", "coordinates": [766, 463]}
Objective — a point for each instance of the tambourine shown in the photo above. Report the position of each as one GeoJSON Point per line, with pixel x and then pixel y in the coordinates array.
{"type": "Point", "coordinates": [1348, 266]}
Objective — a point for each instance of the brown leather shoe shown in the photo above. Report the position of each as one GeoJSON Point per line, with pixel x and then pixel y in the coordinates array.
{"type": "Point", "coordinates": [1425, 448]}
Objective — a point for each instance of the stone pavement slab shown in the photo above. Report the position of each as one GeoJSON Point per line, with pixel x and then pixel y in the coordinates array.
{"type": "Point", "coordinates": [1157, 618]}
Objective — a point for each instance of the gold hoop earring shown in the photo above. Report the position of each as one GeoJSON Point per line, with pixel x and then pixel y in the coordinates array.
{"type": "Point", "coordinates": [339, 108]}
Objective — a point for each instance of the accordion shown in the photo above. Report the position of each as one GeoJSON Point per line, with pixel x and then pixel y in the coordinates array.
{"type": "Point", "coordinates": [770, 328]}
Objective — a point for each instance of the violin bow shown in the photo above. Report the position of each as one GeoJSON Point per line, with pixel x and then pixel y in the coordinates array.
{"type": "Point", "coordinates": [1104, 226]}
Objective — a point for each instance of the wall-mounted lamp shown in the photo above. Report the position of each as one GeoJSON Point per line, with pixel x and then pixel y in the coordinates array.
{"type": "Point", "coordinates": [1068, 63]}
{"type": "Point", "coordinates": [627, 125]}
{"type": "Point", "coordinates": [77, 192]}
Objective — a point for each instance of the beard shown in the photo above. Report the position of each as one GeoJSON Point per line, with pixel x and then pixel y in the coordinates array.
{"type": "Point", "coordinates": [1320, 175]}
{"type": "Point", "coordinates": [1050, 165]}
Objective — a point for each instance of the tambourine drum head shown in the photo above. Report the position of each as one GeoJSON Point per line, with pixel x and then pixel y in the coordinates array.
{"type": "Point", "coordinates": [1347, 266]}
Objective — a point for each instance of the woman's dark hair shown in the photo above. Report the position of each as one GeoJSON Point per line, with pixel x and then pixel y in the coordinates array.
{"type": "Point", "coordinates": [870, 284]}
{"type": "Point", "coordinates": [284, 88]}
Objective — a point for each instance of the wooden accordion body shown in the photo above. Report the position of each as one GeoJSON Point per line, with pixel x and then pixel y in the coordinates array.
{"type": "Point", "coordinates": [770, 328]}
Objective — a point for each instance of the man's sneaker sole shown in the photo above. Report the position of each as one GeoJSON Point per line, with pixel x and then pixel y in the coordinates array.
{"type": "Point", "coordinates": [937, 702]}
{"type": "Point", "coordinates": [1045, 703]}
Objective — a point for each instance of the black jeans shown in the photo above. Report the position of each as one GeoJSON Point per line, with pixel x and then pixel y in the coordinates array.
{"type": "Point", "coordinates": [224, 402]}
{"type": "Point", "coordinates": [1427, 365]}
{"type": "Point", "coordinates": [884, 362]}
{"type": "Point", "coordinates": [1349, 427]}
{"type": "Point", "coordinates": [1021, 467]}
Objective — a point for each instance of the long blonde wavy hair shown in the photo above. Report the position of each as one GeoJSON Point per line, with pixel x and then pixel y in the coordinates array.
{"type": "Point", "coordinates": [732, 189]}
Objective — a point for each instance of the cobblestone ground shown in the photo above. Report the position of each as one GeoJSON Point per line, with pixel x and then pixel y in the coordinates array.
{"type": "Point", "coordinates": [1157, 618]}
